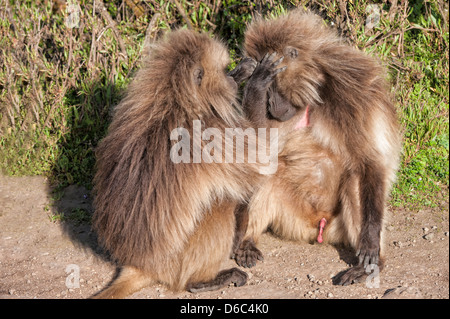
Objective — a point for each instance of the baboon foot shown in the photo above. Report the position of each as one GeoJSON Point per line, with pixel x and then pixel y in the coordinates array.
{"type": "Point", "coordinates": [224, 278]}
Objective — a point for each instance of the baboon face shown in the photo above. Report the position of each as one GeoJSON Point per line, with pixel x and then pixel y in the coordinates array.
{"type": "Point", "coordinates": [300, 81]}
{"type": "Point", "coordinates": [285, 90]}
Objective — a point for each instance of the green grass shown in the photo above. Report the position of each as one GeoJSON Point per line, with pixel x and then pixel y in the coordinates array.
{"type": "Point", "coordinates": [59, 84]}
{"type": "Point", "coordinates": [77, 216]}
{"type": "Point", "coordinates": [423, 99]}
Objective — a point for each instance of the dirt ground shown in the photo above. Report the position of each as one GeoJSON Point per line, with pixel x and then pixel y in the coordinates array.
{"type": "Point", "coordinates": [45, 258]}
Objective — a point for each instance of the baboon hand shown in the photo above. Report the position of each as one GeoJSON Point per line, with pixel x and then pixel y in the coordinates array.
{"type": "Point", "coordinates": [247, 254]}
{"type": "Point", "coordinates": [350, 276]}
{"type": "Point", "coordinates": [368, 253]}
{"type": "Point", "coordinates": [266, 70]}
{"type": "Point", "coordinates": [243, 70]}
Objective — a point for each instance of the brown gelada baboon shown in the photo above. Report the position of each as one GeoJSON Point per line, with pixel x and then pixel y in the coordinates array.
{"type": "Point", "coordinates": [162, 221]}
{"type": "Point", "coordinates": [340, 137]}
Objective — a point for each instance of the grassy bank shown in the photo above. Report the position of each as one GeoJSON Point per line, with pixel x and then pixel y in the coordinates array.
{"type": "Point", "coordinates": [61, 73]}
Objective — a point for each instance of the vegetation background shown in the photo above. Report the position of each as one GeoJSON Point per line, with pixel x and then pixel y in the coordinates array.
{"type": "Point", "coordinates": [65, 64]}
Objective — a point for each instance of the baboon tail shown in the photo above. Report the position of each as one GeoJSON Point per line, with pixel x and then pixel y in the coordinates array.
{"type": "Point", "coordinates": [129, 280]}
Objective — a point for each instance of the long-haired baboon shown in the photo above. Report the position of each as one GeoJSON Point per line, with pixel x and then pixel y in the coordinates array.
{"type": "Point", "coordinates": [341, 139]}
{"type": "Point", "coordinates": [160, 220]}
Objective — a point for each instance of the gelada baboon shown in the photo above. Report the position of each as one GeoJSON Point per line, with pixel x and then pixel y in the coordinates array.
{"type": "Point", "coordinates": [340, 134]}
{"type": "Point", "coordinates": [163, 221]}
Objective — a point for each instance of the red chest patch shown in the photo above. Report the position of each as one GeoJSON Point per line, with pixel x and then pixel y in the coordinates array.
{"type": "Point", "coordinates": [304, 121]}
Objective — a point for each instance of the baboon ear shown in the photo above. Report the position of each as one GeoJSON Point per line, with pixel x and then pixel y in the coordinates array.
{"type": "Point", "coordinates": [291, 52]}
{"type": "Point", "coordinates": [198, 75]}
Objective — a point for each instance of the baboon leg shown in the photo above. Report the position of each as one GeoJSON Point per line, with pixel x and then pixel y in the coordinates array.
{"type": "Point", "coordinates": [128, 281]}
{"type": "Point", "coordinates": [223, 278]}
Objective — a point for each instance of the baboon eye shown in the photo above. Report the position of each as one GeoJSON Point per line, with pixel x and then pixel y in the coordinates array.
{"type": "Point", "coordinates": [291, 52]}
{"type": "Point", "coordinates": [198, 75]}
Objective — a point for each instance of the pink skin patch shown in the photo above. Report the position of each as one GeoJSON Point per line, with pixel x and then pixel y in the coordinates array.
{"type": "Point", "coordinates": [322, 224]}
{"type": "Point", "coordinates": [304, 121]}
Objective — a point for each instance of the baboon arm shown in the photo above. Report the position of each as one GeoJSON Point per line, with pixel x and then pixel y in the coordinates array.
{"type": "Point", "coordinates": [241, 217]}
{"type": "Point", "coordinates": [372, 204]}
{"type": "Point", "coordinates": [372, 189]}
{"type": "Point", "coordinates": [244, 252]}
{"type": "Point", "coordinates": [255, 96]}
{"type": "Point", "coordinates": [254, 103]}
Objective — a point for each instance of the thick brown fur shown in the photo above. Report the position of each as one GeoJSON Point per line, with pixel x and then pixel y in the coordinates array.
{"type": "Point", "coordinates": [161, 221]}
{"type": "Point", "coordinates": [342, 165]}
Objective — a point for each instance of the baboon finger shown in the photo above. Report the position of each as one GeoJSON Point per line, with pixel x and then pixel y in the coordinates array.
{"type": "Point", "coordinates": [274, 64]}
{"type": "Point", "coordinates": [276, 71]}
{"type": "Point", "coordinates": [268, 57]}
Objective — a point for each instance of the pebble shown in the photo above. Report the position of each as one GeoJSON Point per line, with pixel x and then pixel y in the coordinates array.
{"type": "Point", "coordinates": [446, 233]}
{"type": "Point", "coordinates": [330, 295]}
{"type": "Point", "coordinates": [311, 278]}
{"type": "Point", "coordinates": [398, 244]}
{"type": "Point", "coordinates": [429, 236]}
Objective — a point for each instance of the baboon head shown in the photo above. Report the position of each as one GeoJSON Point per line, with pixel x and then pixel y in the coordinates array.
{"type": "Point", "coordinates": [192, 67]}
{"type": "Point", "coordinates": [295, 36]}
